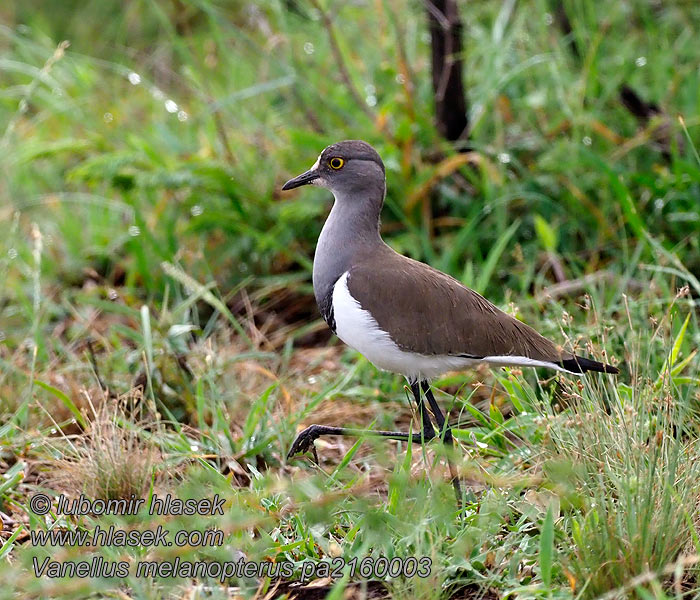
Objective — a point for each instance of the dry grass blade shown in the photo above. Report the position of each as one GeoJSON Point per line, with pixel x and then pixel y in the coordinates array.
{"type": "Point", "coordinates": [111, 460]}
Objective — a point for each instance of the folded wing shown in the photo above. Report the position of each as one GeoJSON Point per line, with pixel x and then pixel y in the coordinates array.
{"type": "Point", "coordinates": [429, 312]}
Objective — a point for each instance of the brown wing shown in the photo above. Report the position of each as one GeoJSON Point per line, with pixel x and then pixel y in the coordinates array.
{"type": "Point", "coordinates": [429, 312]}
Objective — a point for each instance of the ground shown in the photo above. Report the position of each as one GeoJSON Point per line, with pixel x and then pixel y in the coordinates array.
{"type": "Point", "coordinates": [158, 332]}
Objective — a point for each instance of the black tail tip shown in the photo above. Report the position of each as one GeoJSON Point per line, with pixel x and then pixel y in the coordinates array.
{"type": "Point", "coordinates": [579, 364]}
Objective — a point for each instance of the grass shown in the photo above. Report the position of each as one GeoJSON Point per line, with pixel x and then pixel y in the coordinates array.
{"type": "Point", "coordinates": [158, 333]}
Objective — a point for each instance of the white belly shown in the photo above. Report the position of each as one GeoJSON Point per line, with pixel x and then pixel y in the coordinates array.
{"type": "Point", "coordinates": [359, 330]}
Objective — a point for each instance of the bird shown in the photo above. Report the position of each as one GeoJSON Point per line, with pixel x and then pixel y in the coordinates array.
{"type": "Point", "coordinates": [403, 315]}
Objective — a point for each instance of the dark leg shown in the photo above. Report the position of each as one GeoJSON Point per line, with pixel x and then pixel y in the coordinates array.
{"type": "Point", "coordinates": [305, 440]}
{"type": "Point", "coordinates": [446, 434]}
{"type": "Point", "coordinates": [428, 431]}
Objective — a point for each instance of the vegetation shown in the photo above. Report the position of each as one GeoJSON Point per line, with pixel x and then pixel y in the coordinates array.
{"type": "Point", "coordinates": [158, 333]}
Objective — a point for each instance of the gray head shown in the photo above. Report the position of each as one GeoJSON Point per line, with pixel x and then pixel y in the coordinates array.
{"type": "Point", "coordinates": [351, 169]}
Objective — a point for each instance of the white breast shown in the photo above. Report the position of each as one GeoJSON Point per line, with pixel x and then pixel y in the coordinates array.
{"type": "Point", "coordinates": [359, 330]}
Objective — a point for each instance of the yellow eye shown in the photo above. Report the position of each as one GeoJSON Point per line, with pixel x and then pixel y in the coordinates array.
{"type": "Point", "coordinates": [336, 163]}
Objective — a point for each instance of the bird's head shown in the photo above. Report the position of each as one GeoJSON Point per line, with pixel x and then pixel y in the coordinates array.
{"type": "Point", "coordinates": [349, 169]}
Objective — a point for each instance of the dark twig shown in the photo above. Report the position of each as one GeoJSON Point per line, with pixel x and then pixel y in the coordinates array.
{"type": "Point", "coordinates": [446, 53]}
{"type": "Point", "coordinates": [95, 368]}
{"type": "Point", "coordinates": [564, 23]}
{"type": "Point", "coordinates": [644, 111]}
{"type": "Point", "coordinates": [636, 105]}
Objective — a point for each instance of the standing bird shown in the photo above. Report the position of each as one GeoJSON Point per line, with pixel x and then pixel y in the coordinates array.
{"type": "Point", "coordinates": [401, 314]}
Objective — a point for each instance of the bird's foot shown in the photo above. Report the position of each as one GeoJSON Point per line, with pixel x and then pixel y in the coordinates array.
{"type": "Point", "coordinates": [305, 442]}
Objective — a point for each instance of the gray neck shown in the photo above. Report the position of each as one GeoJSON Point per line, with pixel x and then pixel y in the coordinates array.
{"type": "Point", "coordinates": [352, 228]}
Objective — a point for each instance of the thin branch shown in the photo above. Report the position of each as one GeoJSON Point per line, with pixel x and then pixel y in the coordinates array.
{"type": "Point", "coordinates": [404, 64]}
{"type": "Point", "coordinates": [573, 287]}
{"type": "Point", "coordinates": [95, 368]}
{"type": "Point", "coordinates": [342, 67]}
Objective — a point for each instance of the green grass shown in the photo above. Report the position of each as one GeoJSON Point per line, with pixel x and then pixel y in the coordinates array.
{"type": "Point", "coordinates": [145, 247]}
